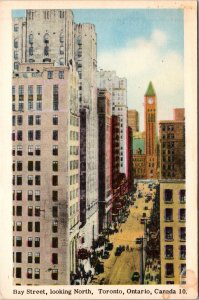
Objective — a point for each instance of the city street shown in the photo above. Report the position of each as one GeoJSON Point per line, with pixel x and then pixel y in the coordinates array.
{"type": "Point", "coordinates": [119, 269]}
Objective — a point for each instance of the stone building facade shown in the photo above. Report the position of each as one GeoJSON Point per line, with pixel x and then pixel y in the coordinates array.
{"type": "Point", "coordinates": [45, 173]}
{"type": "Point", "coordinates": [133, 119]}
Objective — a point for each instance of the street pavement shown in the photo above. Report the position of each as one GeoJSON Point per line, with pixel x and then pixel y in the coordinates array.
{"type": "Point", "coordinates": [119, 269]}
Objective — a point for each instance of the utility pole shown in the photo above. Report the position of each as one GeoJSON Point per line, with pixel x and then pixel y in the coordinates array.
{"type": "Point", "coordinates": [142, 261]}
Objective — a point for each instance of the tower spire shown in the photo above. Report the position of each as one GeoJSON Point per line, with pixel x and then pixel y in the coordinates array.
{"type": "Point", "coordinates": [150, 90]}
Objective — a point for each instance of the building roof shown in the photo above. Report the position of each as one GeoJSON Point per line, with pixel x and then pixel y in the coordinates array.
{"type": "Point", "coordinates": [150, 90]}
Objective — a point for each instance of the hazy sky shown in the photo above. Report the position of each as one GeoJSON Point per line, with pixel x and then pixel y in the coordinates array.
{"type": "Point", "coordinates": [141, 45]}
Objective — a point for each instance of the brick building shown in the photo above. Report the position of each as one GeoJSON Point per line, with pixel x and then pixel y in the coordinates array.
{"type": "Point", "coordinates": [133, 119]}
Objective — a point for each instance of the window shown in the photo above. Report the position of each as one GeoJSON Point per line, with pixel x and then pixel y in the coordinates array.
{"type": "Point", "coordinates": [30, 38]}
{"type": "Point", "coordinates": [54, 180]}
{"type": "Point", "coordinates": [30, 92]}
{"type": "Point", "coordinates": [169, 270]}
{"type": "Point", "coordinates": [16, 28]}
{"type": "Point", "coordinates": [16, 66]}
{"type": "Point", "coordinates": [37, 165]}
{"type": "Point", "coordinates": [182, 215]}
{"type": "Point", "coordinates": [61, 37]}
{"type": "Point", "coordinates": [168, 216]}
{"type": "Point", "coordinates": [55, 211]}
{"type": "Point", "coordinates": [182, 234]}
{"type": "Point", "coordinates": [38, 120]}
{"type": "Point", "coordinates": [50, 74]}
{"type": "Point", "coordinates": [55, 226]}
{"type": "Point", "coordinates": [46, 37]}
{"type": "Point", "coordinates": [19, 120]}
{"type": "Point", "coordinates": [13, 120]}
{"type": "Point", "coordinates": [16, 44]}
{"type": "Point", "coordinates": [18, 257]}
{"type": "Point", "coordinates": [37, 180]}
{"type": "Point", "coordinates": [30, 180]}
{"type": "Point", "coordinates": [19, 150]}
{"type": "Point", "coordinates": [37, 242]}
{"type": "Point", "coordinates": [30, 195]}
{"type": "Point", "coordinates": [37, 258]}
{"type": "Point", "coordinates": [55, 166]}
{"type": "Point", "coordinates": [54, 274]}
{"type": "Point", "coordinates": [18, 241]}
{"type": "Point", "coordinates": [30, 120]}
{"type": "Point", "coordinates": [169, 251]}
{"type": "Point", "coordinates": [29, 273]}
{"type": "Point", "coordinates": [37, 195]}
{"type": "Point", "coordinates": [30, 105]}
{"type": "Point", "coordinates": [55, 150]}
{"type": "Point", "coordinates": [55, 135]}
{"type": "Point", "coordinates": [19, 210]}
{"type": "Point", "coordinates": [18, 272]}
{"type": "Point", "coordinates": [19, 166]}
{"type": "Point", "coordinates": [30, 227]}
{"type": "Point", "coordinates": [29, 241]}
{"type": "Point", "coordinates": [55, 97]}
{"type": "Point", "coordinates": [19, 195]}
{"type": "Point", "coordinates": [29, 257]}
{"type": "Point", "coordinates": [37, 211]}
{"type": "Point", "coordinates": [183, 270]}
{"type": "Point", "coordinates": [46, 52]}
{"type": "Point", "coordinates": [168, 233]}
{"type": "Point", "coordinates": [54, 242]}
{"type": "Point", "coordinates": [168, 196]}
{"type": "Point", "coordinates": [30, 150]}
{"type": "Point", "coordinates": [182, 250]}
{"type": "Point", "coordinates": [18, 226]}
{"type": "Point", "coordinates": [31, 51]}
{"type": "Point", "coordinates": [182, 196]}
{"type": "Point", "coordinates": [30, 165]}
{"type": "Point", "coordinates": [37, 226]}
{"type": "Point", "coordinates": [61, 73]}
{"type": "Point", "coordinates": [55, 195]}
{"type": "Point", "coordinates": [30, 211]}
{"type": "Point", "coordinates": [54, 258]}
{"type": "Point", "coordinates": [30, 135]}
{"type": "Point", "coordinates": [55, 120]}
{"type": "Point", "coordinates": [39, 92]}
{"type": "Point", "coordinates": [37, 150]}
{"type": "Point", "coordinates": [19, 135]}
{"type": "Point", "coordinates": [19, 180]}
{"type": "Point", "coordinates": [38, 134]}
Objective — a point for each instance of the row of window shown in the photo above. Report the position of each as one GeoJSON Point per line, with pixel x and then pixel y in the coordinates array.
{"type": "Point", "coordinates": [32, 150]}
{"type": "Point", "coordinates": [33, 242]}
{"type": "Point", "coordinates": [74, 164]}
{"type": "Point", "coordinates": [74, 179]}
{"type": "Point", "coordinates": [74, 150]}
{"type": "Point", "coordinates": [32, 120]}
{"type": "Point", "coordinates": [18, 257]}
{"type": "Point", "coordinates": [169, 270]}
{"type": "Point", "coordinates": [29, 275]}
{"type": "Point", "coordinates": [18, 210]}
{"type": "Point", "coordinates": [33, 195]}
{"type": "Point", "coordinates": [30, 91]}
{"type": "Point", "coordinates": [169, 253]}
{"type": "Point", "coordinates": [74, 194]}
{"type": "Point", "coordinates": [18, 226]}
{"type": "Point", "coordinates": [168, 136]}
{"type": "Point", "coordinates": [168, 196]}
{"type": "Point", "coordinates": [20, 108]}
{"type": "Point", "coordinates": [18, 166]}
{"type": "Point", "coordinates": [32, 135]}
{"type": "Point", "coordinates": [168, 234]}
{"type": "Point", "coordinates": [17, 180]}
{"type": "Point", "coordinates": [168, 215]}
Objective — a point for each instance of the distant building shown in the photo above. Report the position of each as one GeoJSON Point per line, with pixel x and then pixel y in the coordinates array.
{"type": "Point", "coordinates": [45, 174]}
{"type": "Point", "coordinates": [172, 231]}
{"type": "Point", "coordinates": [179, 114]}
{"type": "Point", "coordinates": [117, 87]}
{"type": "Point", "coordinates": [105, 159]}
{"type": "Point", "coordinates": [172, 149]}
{"type": "Point", "coordinates": [130, 158]}
{"type": "Point", "coordinates": [138, 142]}
{"type": "Point", "coordinates": [133, 119]}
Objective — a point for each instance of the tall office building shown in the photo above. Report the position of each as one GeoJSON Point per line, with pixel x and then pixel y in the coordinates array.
{"type": "Point", "coordinates": [172, 147]}
{"type": "Point", "coordinates": [45, 173]}
{"type": "Point", "coordinates": [133, 119]}
{"type": "Point", "coordinates": [118, 89]}
{"type": "Point", "coordinates": [172, 231]}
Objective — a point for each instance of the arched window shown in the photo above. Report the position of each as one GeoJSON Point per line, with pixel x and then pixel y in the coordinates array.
{"type": "Point", "coordinates": [16, 44]}
{"type": "Point", "coordinates": [46, 38]}
{"type": "Point", "coordinates": [79, 40]}
{"type": "Point", "coordinates": [46, 50]}
{"type": "Point", "coordinates": [61, 37]}
{"type": "Point", "coordinates": [61, 61]}
{"type": "Point", "coordinates": [31, 51]}
{"type": "Point", "coordinates": [31, 38]}
{"type": "Point", "coordinates": [61, 50]}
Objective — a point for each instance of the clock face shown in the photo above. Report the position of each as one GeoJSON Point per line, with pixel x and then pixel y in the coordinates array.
{"type": "Point", "coordinates": [150, 100]}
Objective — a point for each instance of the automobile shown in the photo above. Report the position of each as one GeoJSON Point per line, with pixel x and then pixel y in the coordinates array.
{"type": "Point", "coordinates": [146, 208]}
{"type": "Point", "coordinates": [135, 276]}
{"type": "Point", "coordinates": [99, 268]}
{"type": "Point", "coordinates": [138, 241]}
{"type": "Point", "coordinates": [118, 251]}
{"type": "Point", "coordinates": [142, 220]}
{"type": "Point", "coordinates": [144, 215]}
{"type": "Point", "coordinates": [109, 246]}
{"type": "Point", "coordinates": [105, 255]}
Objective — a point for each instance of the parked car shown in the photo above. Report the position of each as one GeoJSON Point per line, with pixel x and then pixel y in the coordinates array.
{"type": "Point", "coordinates": [144, 215]}
{"type": "Point", "coordinates": [109, 246]}
{"type": "Point", "coordinates": [105, 255]}
{"type": "Point", "coordinates": [135, 276]}
{"type": "Point", "coordinates": [146, 208]}
{"type": "Point", "coordinates": [118, 252]}
{"type": "Point", "coordinates": [99, 268]}
{"type": "Point", "coordinates": [142, 220]}
{"type": "Point", "coordinates": [138, 241]}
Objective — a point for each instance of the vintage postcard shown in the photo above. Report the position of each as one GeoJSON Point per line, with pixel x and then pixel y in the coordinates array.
{"type": "Point", "coordinates": [98, 150]}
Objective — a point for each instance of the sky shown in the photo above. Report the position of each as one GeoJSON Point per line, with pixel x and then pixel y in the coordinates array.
{"type": "Point", "coordinates": [142, 45]}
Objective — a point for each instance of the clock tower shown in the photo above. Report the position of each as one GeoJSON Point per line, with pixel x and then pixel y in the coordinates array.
{"type": "Point", "coordinates": [150, 131]}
